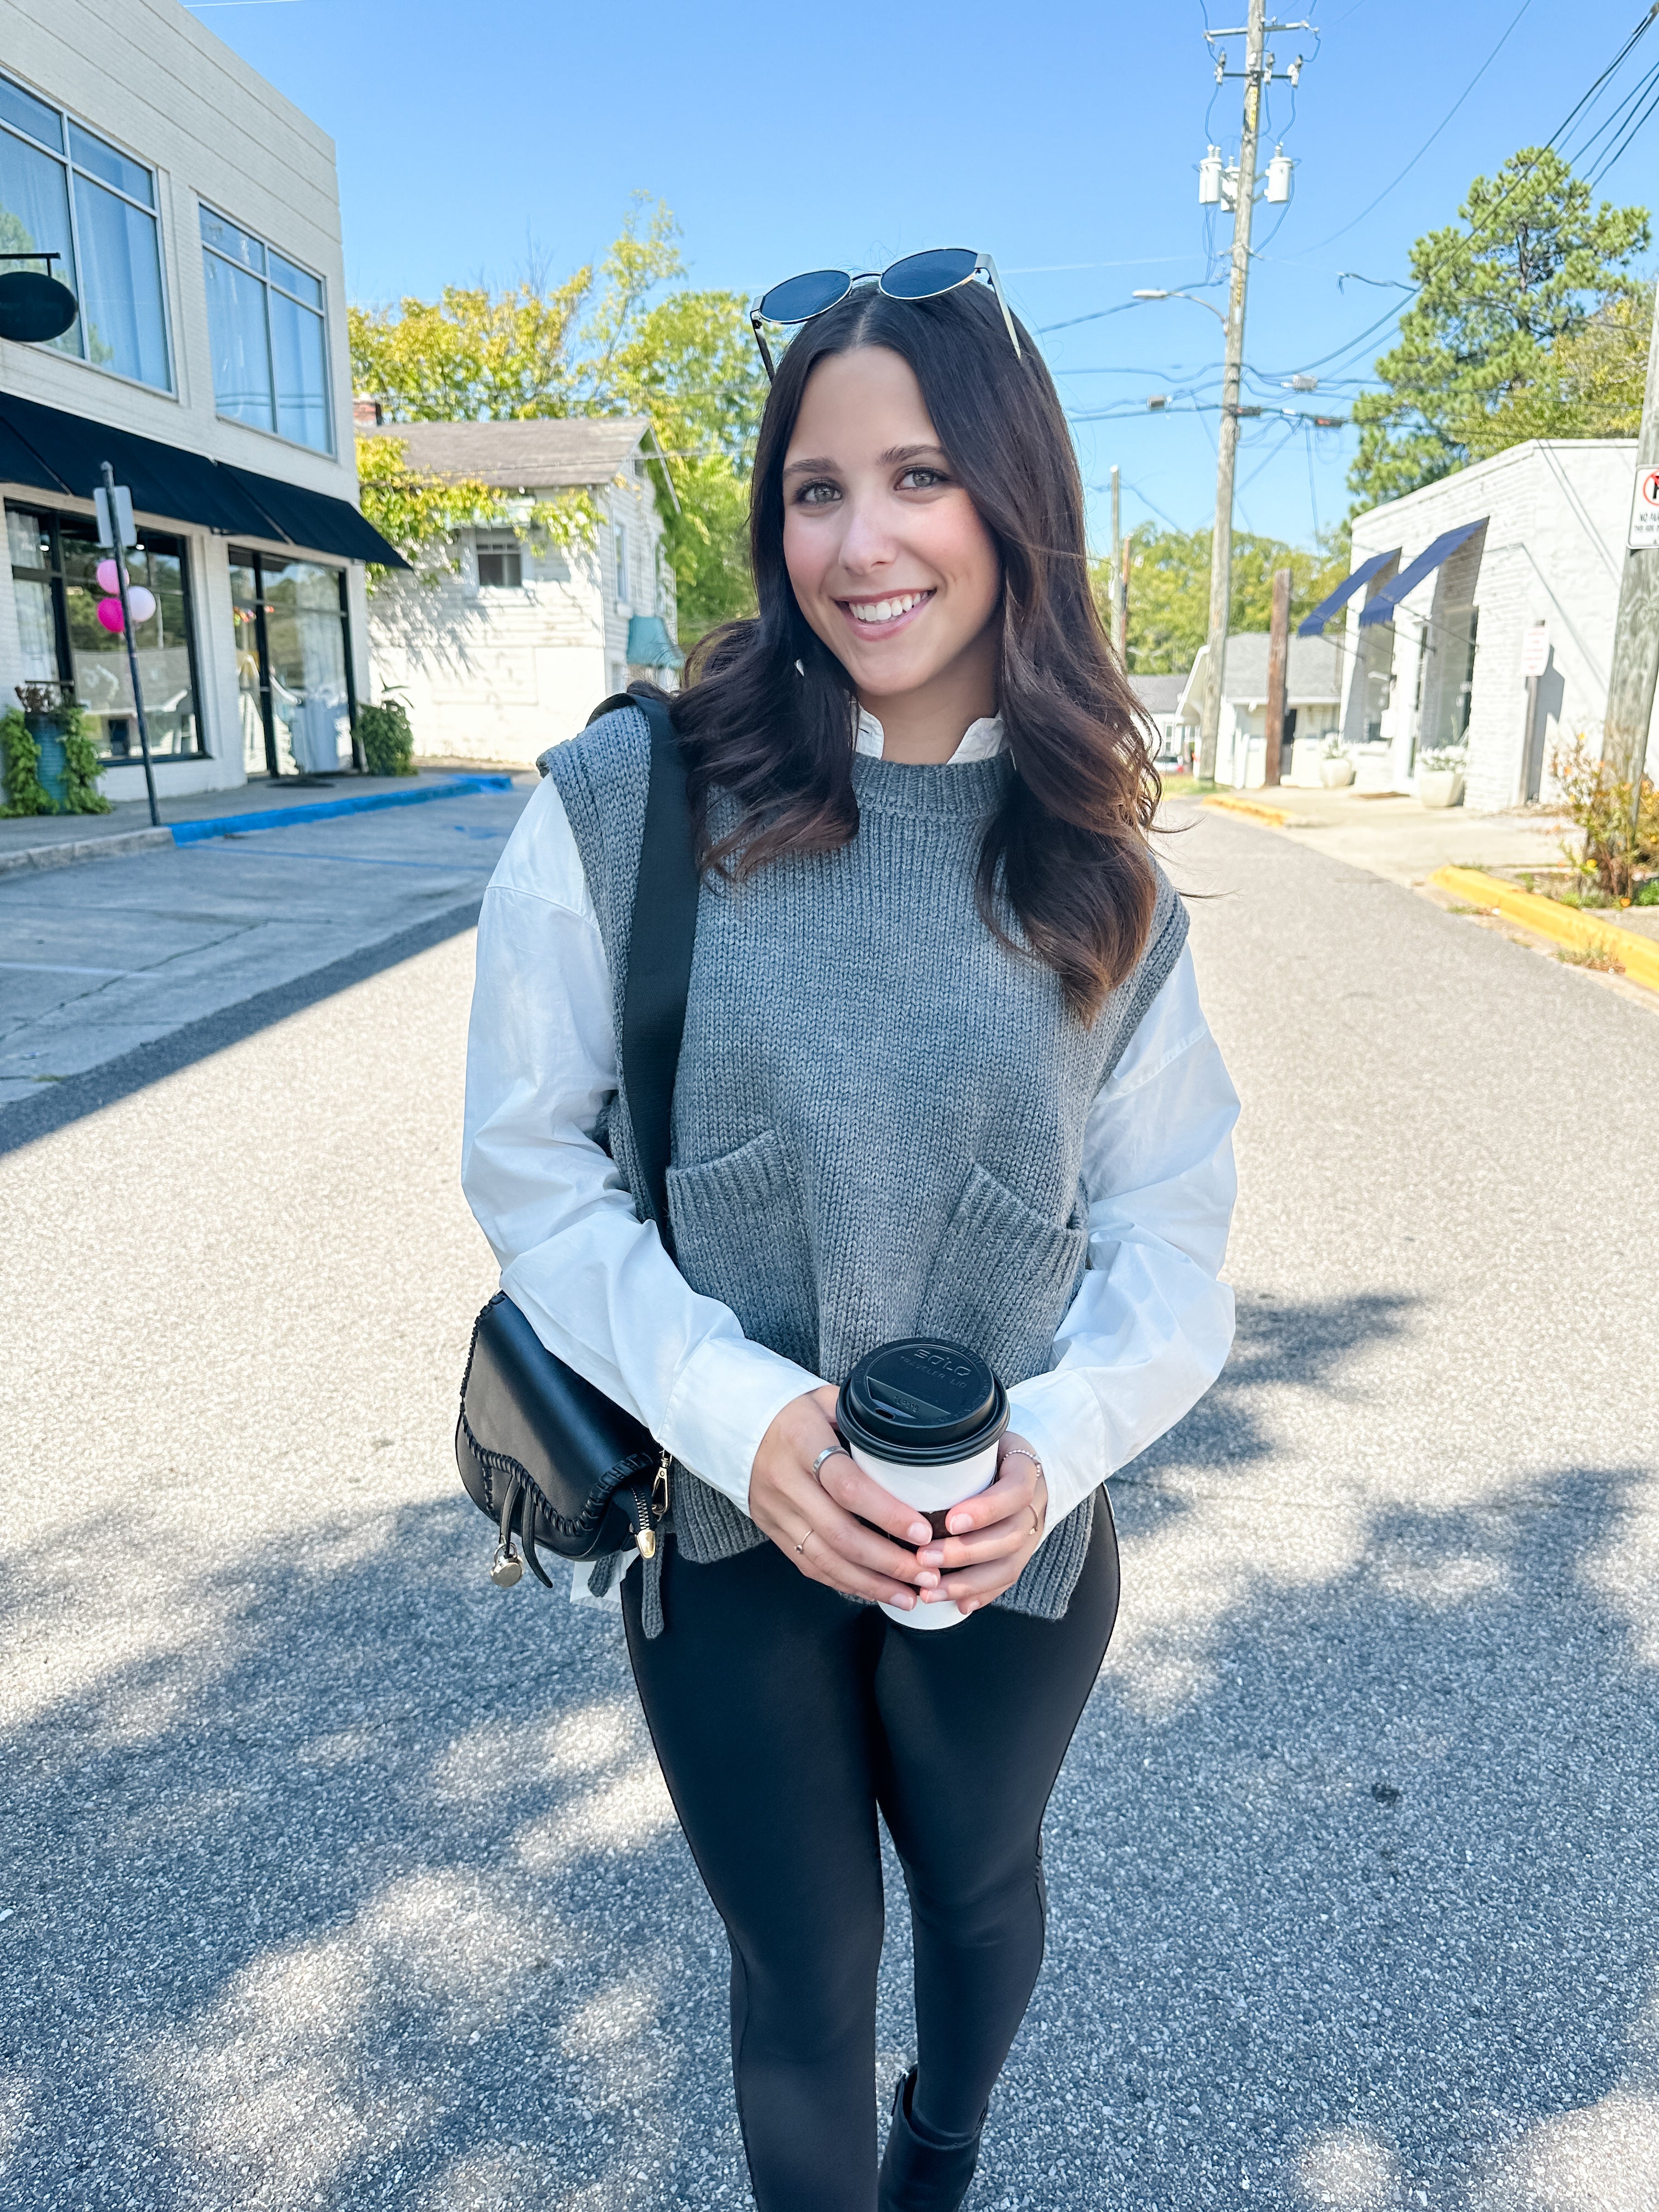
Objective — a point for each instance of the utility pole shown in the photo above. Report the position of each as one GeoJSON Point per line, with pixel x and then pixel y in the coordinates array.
{"type": "Point", "coordinates": [1636, 632]}
{"type": "Point", "coordinates": [1117, 563]}
{"type": "Point", "coordinates": [1122, 641]}
{"type": "Point", "coordinates": [1279, 669]}
{"type": "Point", "coordinates": [1221, 543]}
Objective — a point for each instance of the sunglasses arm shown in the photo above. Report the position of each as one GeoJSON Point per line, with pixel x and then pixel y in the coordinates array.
{"type": "Point", "coordinates": [766, 357]}
{"type": "Point", "coordinates": [990, 269]}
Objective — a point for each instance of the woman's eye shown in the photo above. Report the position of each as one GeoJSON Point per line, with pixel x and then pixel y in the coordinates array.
{"type": "Point", "coordinates": [922, 479]}
{"type": "Point", "coordinates": [816, 495]}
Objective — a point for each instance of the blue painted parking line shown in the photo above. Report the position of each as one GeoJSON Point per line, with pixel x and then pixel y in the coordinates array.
{"type": "Point", "coordinates": [286, 817]}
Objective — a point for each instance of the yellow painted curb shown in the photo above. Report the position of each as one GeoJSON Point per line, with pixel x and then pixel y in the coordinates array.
{"type": "Point", "coordinates": [1638, 955]}
{"type": "Point", "coordinates": [1275, 816]}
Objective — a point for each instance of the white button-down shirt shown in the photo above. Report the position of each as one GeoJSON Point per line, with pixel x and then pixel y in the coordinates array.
{"type": "Point", "coordinates": [1144, 1337]}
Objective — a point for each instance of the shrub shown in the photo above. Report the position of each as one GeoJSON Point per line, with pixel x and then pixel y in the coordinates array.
{"type": "Point", "coordinates": [25, 792]}
{"type": "Point", "coordinates": [1331, 746]}
{"type": "Point", "coordinates": [1436, 759]}
{"type": "Point", "coordinates": [387, 741]}
{"type": "Point", "coordinates": [1619, 826]}
{"type": "Point", "coordinates": [81, 766]}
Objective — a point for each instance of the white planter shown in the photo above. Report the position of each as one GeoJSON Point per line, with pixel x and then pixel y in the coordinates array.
{"type": "Point", "coordinates": [1440, 787]}
{"type": "Point", "coordinates": [1336, 774]}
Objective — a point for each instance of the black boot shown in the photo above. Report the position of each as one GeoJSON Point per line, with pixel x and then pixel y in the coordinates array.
{"type": "Point", "coordinates": [917, 2174]}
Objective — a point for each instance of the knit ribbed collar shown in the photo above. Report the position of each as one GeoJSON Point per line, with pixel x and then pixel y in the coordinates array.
{"type": "Point", "coordinates": [970, 787]}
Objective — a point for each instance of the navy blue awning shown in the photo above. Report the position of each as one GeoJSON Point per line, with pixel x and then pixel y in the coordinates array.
{"type": "Point", "coordinates": [58, 451]}
{"type": "Point", "coordinates": [1381, 608]}
{"type": "Point", "coordinates": [1313, 625]}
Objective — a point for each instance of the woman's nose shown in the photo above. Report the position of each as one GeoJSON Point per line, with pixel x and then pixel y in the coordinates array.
{"type": "Point", "coordinates": [866, 543]}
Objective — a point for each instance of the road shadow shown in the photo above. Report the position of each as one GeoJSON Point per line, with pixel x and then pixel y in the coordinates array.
{"type": "Point", "coordinates": [26, 1120]}
{"type": "Point", "coordinates": [372, 1895]}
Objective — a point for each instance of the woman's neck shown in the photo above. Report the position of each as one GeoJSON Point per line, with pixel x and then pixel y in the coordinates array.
{"type": "Point", "coordinates": [924, 726]}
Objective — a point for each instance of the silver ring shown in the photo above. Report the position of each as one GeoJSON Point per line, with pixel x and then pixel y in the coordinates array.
{"type": "Point", "coordinates": [828, 1452]}
{"type": "Point", "coordinates": [1019, 1451]}
{"type": "Point", "coordinates": [801, 1547]}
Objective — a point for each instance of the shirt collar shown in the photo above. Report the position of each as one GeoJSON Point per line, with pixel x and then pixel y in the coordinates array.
{"type": "Point", "coordinates": [980, 740]}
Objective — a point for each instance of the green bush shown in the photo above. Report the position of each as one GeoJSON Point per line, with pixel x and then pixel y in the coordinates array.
{"type": "Point", "coordinates": [387, 741]}
{"type": "Point", "coordinates": [25, 792]}
{"type": "Point", "coordinates": [81, 771]}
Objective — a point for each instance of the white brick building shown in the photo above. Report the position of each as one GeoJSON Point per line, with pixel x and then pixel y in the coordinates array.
{"type": "Point", "coordinates": [1541, 533]}
{"type": "Point", "coordinates": [513, 650]}
{"type": "Point", "coordinates": [195, 216]}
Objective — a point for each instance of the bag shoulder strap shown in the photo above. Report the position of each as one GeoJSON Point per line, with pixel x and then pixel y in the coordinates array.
{"type": "Point", "coordinates": [661, 939]}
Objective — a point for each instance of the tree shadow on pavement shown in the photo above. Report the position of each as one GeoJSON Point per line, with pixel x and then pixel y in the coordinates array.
{"type": "Point", "coordinates": [374, 1897]}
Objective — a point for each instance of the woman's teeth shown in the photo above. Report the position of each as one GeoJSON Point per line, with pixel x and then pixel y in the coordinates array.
{"type": "Point", "coordinates": [882, 610]}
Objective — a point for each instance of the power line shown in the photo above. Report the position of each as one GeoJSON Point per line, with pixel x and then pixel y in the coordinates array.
{"type": "Point", "coordinates": [1624, 143]}
{"type": "Point", "coordinates": [1433, 136]}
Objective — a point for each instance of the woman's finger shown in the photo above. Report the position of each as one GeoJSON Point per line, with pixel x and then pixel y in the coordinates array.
{"type": "Point", "coordinates": [800, 1503]}
{"type": "Point", "coordinates": [845, 1482]}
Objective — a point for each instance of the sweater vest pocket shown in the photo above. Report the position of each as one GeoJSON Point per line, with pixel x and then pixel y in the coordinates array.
{"type": "Point", "coordinates": [724, 1213]}
{"type": "Point", "coordinates": [1003, 1278]}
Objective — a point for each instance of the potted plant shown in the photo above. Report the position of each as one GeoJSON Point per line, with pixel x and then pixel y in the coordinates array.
{"type": "Point", "coordinates": [51, 763]}
{"type": "Point", "coordinates": [1336, 763]}
{"type": "Point", "coordinates": [1440, 775]}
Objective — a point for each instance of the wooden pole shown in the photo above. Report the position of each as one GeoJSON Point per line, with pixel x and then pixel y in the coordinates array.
{"type": "Point", "coordinates": [1121, 639]}
{"type": "Point", "coordinates": [1279, 665]}
{"type": "Point", "coordinates": [1636, 631]}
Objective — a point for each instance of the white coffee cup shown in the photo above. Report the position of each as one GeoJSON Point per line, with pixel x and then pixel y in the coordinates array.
{"type": "Point", "coordinates": [923, 1417]}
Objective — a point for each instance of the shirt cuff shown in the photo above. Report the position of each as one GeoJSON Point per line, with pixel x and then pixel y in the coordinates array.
{"type": "Point", "coordinates": [728, 1393]}
{"type": "Point", "coordinates": [1060, 1416]}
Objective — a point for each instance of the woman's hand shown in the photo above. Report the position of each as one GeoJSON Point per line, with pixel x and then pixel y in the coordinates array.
{"type": "Point", "coordinates": [814, 1519]}
{"type": "Point", "coordinates": [991, 1536]}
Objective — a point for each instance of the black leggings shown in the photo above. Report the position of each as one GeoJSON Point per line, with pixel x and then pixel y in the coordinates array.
{"type": "Point", "coordinates": [783, 1716]}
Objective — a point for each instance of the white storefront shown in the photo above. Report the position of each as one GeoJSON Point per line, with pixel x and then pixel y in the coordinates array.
{"type": "Point", "coordinates": [1532, 541]}
{"type": "Point", "coordinates": [510, 649]}
{"type": "Point", "coordinates": [195, 216]}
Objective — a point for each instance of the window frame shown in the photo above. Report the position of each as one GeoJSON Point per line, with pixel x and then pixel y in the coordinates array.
{"type": "Point", "coordinates": [498, 545]}
{"type": "Point", "coordinates": [264, 278]}
{"type": "Point", "coordinates": [619, 542]}
{"type": "Point", "coordinates": [64, 156]}
{"type": "Point", "coordinates": [54, 517]}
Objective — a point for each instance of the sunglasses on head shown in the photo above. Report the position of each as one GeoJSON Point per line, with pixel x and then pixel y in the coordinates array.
{"type": "Point", "coordinates": [918, 276]}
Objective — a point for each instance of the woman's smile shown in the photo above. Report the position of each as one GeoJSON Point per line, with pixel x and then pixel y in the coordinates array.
{"type": "Point", "coordinates": [886, 617]}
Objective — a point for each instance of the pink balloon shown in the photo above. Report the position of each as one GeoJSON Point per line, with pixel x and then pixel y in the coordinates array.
{"type": "Point", "coordinates": [109, 613]}
{"type": "Point", "coordinates": [141, 602]}
{"type": "Point", "coordinates": [109, 576]}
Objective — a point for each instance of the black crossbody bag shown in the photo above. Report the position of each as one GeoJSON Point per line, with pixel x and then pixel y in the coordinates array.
{"type": "Point", "coordinates": [555, 1463]}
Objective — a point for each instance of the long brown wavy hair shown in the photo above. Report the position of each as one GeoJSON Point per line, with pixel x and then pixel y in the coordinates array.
{"type": "Point", "coordinates": [767, 713]}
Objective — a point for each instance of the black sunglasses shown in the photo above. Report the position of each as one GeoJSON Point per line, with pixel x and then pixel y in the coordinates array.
{"type": "Point", "coordinates": [918, 276]}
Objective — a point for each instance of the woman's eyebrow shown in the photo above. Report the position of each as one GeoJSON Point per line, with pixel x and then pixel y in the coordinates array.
{"type": "Point", "coordinates": [811, 468]}
{"type": "Point", "coordinates": [895, 454]}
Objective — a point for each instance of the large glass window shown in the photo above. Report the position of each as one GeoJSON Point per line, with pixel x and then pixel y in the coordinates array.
{"type": "Point", "coordinates": [54, 565]}
{"type": "Point", "coordinates": [293, 665]}
{"type": "Point", "coordinates": [268, 330]}
{"type": "Point", "coordinates": [63, 190]}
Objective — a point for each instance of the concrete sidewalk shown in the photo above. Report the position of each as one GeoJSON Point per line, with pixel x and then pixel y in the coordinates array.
{"type": "Point", "coordinates": [1392, 835]}
{"type": "Point", "coordinates": [51, 840]}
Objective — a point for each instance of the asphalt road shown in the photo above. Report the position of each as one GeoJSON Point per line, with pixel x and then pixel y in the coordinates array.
{"type": "Point", "coordinates": [332, 1876]}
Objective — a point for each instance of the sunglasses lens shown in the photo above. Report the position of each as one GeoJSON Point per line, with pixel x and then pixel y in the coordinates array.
{"type": "Point", "coordinates": [920, 276]}
{"type": "Point", "coordinates": [798, 297]}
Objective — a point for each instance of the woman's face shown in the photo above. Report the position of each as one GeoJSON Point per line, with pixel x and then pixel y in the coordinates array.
{"type": "Point", "coordinates": [890, 561]}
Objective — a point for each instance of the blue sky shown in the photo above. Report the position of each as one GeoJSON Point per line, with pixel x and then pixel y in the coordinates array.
{"type": "Point", "coordinates": [1063, 138]}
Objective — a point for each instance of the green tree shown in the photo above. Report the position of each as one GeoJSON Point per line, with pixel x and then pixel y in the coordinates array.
{"type": "Point", "coordinates": [595, 343]}
{"type": "Point", "coordinates": [1529, 263]}
{"type": "Point", "coordinates": [1169, 590]}
{"type": "Point", "coordinates": [1588, 384]}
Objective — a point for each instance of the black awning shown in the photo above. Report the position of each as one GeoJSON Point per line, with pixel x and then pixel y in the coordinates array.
{"type": "Point", "coordinates": [312, 518]}
{"type": "Point", "coordinates": [1312, 624]}
{"type": "Point", "coordinates": [59, 452]}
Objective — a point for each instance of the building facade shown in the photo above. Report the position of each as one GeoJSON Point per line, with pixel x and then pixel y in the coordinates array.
{"type": "Point", "coordinates": [512, 648]}
{"type": "Point", "coordinates": [195, 215]}
{"type": "Point", "coordinates": [1512, 561]}
{"type": "Point", "coordinates": [1313, 692]}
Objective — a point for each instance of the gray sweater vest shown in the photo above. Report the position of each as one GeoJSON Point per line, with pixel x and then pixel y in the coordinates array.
{"type": "Point", "coordinates": [879, 1117]}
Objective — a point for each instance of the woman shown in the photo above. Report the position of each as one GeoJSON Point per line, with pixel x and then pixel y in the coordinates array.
{"type": "Point", "coordinates": [945, 1073]}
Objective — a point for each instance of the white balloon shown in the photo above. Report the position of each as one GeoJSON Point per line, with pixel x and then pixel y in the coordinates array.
{"type": "Point", "coordinates": [142, 603]}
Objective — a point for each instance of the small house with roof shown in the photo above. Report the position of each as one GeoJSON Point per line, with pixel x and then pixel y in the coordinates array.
{"type": "Point", "coordinates": [513, 649]}
{"type": "Point", "coordinates": [1313, 707]}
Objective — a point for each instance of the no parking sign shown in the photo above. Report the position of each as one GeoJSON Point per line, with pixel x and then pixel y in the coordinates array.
{"type": "Point", "coordinates": [1644, 507]}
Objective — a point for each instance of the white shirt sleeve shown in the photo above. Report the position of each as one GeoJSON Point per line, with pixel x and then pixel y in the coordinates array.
{"type": "Point", "coordinates": [1152, 1323]}
{"type": "Point", "coordinates": [593, 1282]}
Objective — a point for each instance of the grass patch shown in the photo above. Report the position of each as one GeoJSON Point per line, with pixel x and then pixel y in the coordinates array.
{"type": "Point", "coordinates": [1601, 956]}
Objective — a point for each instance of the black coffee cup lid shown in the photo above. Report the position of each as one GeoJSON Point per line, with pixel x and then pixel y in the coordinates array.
{"type": "Point", "coordinates": [923, 1400]}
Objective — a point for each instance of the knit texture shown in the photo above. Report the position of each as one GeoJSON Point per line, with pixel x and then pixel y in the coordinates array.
{"type": "Point", "coordinates": [879, 1113]}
